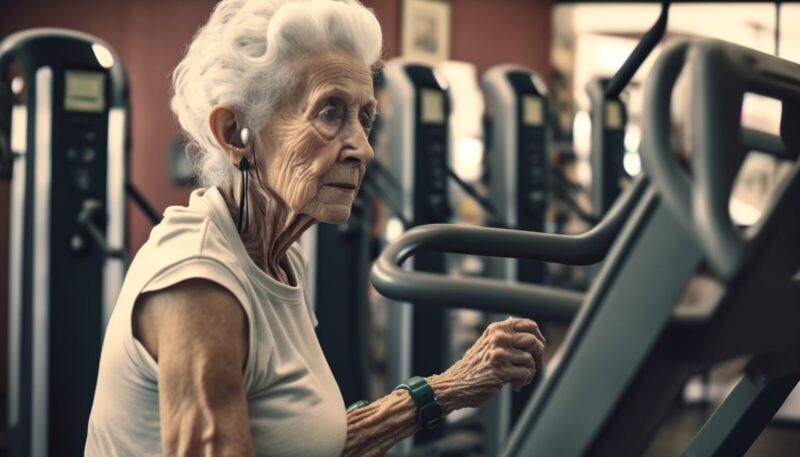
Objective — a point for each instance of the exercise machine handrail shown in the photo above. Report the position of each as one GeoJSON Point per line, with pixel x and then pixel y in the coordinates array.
{"type": "Point", "coordinates": [547, 303]}
{"type": "Point", "coordinates": [721, 74]}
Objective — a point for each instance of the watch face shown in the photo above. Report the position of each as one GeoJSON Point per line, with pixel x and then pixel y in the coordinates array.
{"type": "Point", "coordinates": [434, 423]}
{"type": "Point", "coordinates": [430, 415]}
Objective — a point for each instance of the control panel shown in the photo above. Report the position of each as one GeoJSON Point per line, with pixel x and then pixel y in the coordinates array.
{"type": "Point", "coordinates": [82, 151]}
{"type": "Point", "coordinates": [609, 119]}
{"type": "Point", "coordinates": [532, 163]}
{"type": "Point", "coordinates": [431, 202]}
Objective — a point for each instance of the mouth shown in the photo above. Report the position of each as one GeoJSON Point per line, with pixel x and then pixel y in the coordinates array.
{"type": "Point", "coordinates": [342, 187]}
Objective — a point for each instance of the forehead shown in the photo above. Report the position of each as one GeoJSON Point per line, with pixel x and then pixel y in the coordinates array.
{"type": "Point", "coordinates": [336, 72]}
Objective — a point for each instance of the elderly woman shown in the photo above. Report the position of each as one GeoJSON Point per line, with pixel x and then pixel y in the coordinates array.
{"type": "Point", "coordinates": [211, 348]}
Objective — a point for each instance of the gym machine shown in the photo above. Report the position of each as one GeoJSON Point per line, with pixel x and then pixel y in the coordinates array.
{"type": "Point", "coordinates": [418, 158]}
{"type": "Point", "coordinates": [69, 138]}
{"type": "Point", "coordinates": [629, 350]}
{"type": "Point", "coordinates": [609, 117]}
{"type": "Point", "coordinates": [518, 191]}
{"type": "Point", "coordinates": [518, 158]}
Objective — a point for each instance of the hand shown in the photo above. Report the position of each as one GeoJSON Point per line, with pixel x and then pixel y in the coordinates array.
{"type": "Point", "coordinates": [509, 351]}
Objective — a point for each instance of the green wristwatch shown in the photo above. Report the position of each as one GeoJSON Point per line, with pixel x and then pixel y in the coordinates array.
{"type": "Point", "coordinates": [429, 410]}
{"type": "Point", "coordinates": [356, 405]}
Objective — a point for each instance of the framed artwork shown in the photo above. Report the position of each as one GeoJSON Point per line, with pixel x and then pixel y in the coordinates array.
{"type": "Point", "coordinates": [426, 30]}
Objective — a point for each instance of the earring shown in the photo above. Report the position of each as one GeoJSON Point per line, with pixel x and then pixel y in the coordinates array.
{"type": "Point", "coordinates": [244, 135]}
{"type": "Point", "coordinates": [244, 166]}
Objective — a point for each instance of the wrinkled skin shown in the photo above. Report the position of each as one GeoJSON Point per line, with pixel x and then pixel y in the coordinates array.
{"type": "Point", "coordinates": [309, 159]}
{"type": "Point", "coordinates": [316, 140]}
{"type": "Point", "coordinates": [319, 137]}
{"type": "Point", "coordinates": [510, 351]}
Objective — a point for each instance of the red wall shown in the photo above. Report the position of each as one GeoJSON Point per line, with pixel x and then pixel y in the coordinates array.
{"type": "Point", "coordinates": [150, 35]}
{"type": "Point", "coordinates": [490, 32]}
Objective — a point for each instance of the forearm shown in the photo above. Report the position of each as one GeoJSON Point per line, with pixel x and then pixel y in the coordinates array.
{"type": "Point", "coordinates": [374, 429]}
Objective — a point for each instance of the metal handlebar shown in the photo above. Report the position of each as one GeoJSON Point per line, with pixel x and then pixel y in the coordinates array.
{"type": "Point", "coordinates": [721, 73]}
{"type": "Point", "coordinates": [493, 295]}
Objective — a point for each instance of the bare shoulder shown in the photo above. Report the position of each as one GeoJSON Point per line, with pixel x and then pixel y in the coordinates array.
{"type": "Point", "coordinates": [197, 312]}
{"type": "Point", "coordinates": [197, 332]}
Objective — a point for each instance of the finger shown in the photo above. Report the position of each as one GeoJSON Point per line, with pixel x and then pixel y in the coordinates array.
{"type": "Point", "coordinates": [529, 326]}
{"type": "Point", "coordinates": [522, 359]}
{"type": "Point", "coordinates": [519, 376]}
{"type": "Point", "coordinates": [524, 341]}
{"type": "Point", "coordinates": [538, 355]}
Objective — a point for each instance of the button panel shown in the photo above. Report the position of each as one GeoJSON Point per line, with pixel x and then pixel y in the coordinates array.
{"type": "Point", "coordinates": [82, 149]}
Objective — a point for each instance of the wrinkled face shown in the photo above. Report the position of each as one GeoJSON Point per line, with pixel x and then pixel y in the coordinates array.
{"type": "Point", "coordinates": [316, 144]}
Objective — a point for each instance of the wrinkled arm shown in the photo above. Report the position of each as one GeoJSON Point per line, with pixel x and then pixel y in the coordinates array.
{"type": "Point", "coordinates": [197, 332]}
{"type": "Point", "coordinates": [374, 429]}
{"type": "Point", "coordinates": [508, 352]}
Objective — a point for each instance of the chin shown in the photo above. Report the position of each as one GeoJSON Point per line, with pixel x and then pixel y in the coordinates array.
{"type": "Point", "coordinates": [337, 214]}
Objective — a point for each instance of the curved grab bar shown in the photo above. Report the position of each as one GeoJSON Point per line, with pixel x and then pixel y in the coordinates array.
{"type": "Point", "coordinates": [657, 158]}
{"type": "Point", "coordinates": [493, 295]}
{"type": "Point", "coordinates": [720, 75]}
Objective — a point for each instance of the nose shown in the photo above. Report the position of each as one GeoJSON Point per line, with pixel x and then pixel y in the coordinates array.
{"type": "Point", "coordinates": [356, 150]}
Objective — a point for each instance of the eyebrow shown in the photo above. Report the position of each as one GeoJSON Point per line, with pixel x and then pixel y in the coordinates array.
{"type": "Point", "coordinates": [338, 91]}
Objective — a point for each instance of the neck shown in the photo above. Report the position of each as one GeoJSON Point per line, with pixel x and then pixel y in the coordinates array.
{"type": "Point", "coordinates": [270, 227]}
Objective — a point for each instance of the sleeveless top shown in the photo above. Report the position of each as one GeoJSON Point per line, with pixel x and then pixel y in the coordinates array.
{"type": "Point", "coordinates": [294, 404]}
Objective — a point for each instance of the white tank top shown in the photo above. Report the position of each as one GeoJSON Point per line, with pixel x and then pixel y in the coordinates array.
{"type": "Point", "coordinates": [294, 403]}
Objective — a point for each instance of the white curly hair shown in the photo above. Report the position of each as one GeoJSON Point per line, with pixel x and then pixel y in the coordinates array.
{"type": "Point", "coordinates": [243, 57]}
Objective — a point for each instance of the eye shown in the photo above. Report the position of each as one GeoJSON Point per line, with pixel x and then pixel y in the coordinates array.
{"type": "Point", "coordinates": [366, 120]}
{"type": "Point", "coordinates": [331, 113]}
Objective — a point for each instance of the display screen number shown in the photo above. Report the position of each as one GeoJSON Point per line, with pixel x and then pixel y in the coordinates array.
{"type": "Point", "coordinates": [432, 106]}
{"type": "Point", "coordinates": [84, 91]}
{"type": "Point", "coordinates": [533, 111]}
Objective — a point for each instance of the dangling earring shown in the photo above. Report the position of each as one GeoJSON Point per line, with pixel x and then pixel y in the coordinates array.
{"type": "Point", "coordinates": [244, 167]}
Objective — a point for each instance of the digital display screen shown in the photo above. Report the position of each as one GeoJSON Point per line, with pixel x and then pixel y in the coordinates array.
{"type": "Point", "coordinates": [532, 111]}
{"type": "Point", "coordinates": [432, 106]}
{"type": "Point", "coordinates": [84, 91]}
{"type": "Point", "coordinates": [613, 115]}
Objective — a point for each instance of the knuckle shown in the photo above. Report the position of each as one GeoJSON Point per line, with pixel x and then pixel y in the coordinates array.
{"type": "Point", "coordinates": [504, 336]}
{"type": "Point", "coordinates": [497, 355]}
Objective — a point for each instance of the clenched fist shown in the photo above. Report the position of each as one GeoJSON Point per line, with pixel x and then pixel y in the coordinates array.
{"type": "Point", "coordinates": [509, 351]}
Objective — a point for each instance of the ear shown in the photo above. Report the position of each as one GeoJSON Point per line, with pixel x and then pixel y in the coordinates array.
{"type": "Point", "coordinates": [225, 127]}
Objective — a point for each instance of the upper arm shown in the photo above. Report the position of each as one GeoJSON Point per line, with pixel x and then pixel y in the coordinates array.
{"type": "Point", "coordinates": [197, 332]}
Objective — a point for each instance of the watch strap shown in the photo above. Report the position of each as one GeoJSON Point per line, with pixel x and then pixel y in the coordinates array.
{"type": "Point", "coordinates": [429, 410]}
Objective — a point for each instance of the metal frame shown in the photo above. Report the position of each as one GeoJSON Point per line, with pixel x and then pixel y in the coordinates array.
{"type": "Point", "coordinates": [630, 348]}
{"type": "Point", "coordinates": [401, 157]}
{"type": "Point", "coordinates": [114, 269]}
{"type": "Point", "coordinates": [41, 263]}
{"type": "Point", "coordinates": [41, 54]}
{"type": "Point", "coordinates": [507, 162]}
{"type": "Point", "coordinates": [757, 397]}
{"type": "Point", "coordinates": [15, 254]}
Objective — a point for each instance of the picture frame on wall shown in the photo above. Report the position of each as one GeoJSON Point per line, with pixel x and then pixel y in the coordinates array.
{"type": "Point", "coordinates": [426, 30]}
